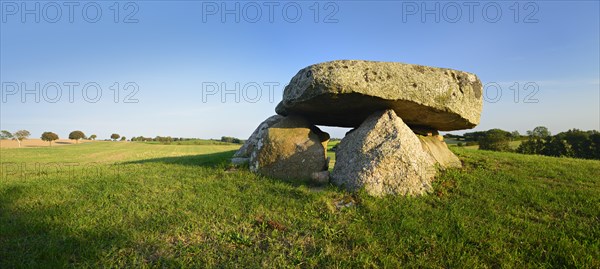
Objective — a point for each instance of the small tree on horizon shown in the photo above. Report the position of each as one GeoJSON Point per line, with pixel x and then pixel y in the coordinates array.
{"type": "Point", "coordinates": [49, 136]}
{"type": "Point", "coordinates": [93, 137]}
{"type": "Point", "coordinates": [4, 134]}
{"type": "Point", "coordinates": [76, 135]}
{"type": "Point", "coordinates": [114, 136]}
{"type": "Point", "coordinates": [21, 135]}
{"type": "Point", "coordinates": [123, 138]}
{"type": "Point", "coordinates": [540, 131]}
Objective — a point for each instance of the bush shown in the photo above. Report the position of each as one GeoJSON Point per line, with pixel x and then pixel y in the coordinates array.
{"type": "Point", "coordinates": [229, 139]}
{"type": "Point", "coordinates": [495, 140]}
{"type": "Point", "coordinates": [164, 139]}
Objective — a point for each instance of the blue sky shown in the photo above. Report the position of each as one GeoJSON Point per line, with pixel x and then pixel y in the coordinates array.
{"type": "Point", "coordinates": [548, 53]}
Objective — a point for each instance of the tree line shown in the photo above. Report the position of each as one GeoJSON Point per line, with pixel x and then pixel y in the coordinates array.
{"type": "Point", "coordinates": [49, 137]}
{"type": "Point", "coordinates": [573, 143]}
{"type": "Point", "coordinates": [77, 135]}
{"type": "Point", "coordinates": [169, 140]}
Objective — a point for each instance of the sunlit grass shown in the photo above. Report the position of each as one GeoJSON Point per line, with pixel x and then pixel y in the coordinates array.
{"type": "Point", "coordinates": [110, 204]}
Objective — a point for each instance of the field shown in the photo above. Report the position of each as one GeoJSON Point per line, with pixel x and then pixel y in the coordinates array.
{"type": "Point", "coordinates": [28, 143]}
{"type": "Point", "coordinates": [453, 142]}
{"type": "Point", "coordinates": [112, 204]}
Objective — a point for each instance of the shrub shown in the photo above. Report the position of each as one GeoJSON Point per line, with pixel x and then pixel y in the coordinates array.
{"type": "Point", "coordinates": [495, 140]}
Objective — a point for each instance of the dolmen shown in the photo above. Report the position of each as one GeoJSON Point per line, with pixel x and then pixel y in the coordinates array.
{"type": "Point", "coordinates": [395, 110]}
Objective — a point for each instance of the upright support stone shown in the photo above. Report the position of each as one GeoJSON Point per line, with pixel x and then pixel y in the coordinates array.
{"type": "Point", "coordinates": [383, 156]}
{"type": "Point", "coordinates": [438, 150]}
{"type": "Point", "coordinates": [242, 156]}
{"type": "Point", "coordinates": [293, 148]}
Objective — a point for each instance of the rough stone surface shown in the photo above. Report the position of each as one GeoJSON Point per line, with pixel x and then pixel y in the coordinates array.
{"type": "Point", "coordinates": [321, 177]}
{"type": "Point", "coordinates": [290, 149]}
{"type": "Point", "coordinates": [439, 151]}
{"type": "Point", "coordinates": [424, 132]}
{"type": "Point", "coordinates": [239, 160]}
{"type": "Point", "coordinates": [344, 93]}
{"type": "Point", "coordinates": [385, 157]}
{"type": "Point", "coordinates": [242, 156]}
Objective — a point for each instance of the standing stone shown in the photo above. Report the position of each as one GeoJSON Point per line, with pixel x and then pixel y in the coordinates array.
{"type": "Point", "coordinates": [384, 156]}
{"type": "Point", "coordinates": [344, 93]}
{"type": "Point", "coordinates": [242, 156]}
{"type": "Point", "coordinates": [293, 148]}
{"type": "Point", "coordinates": [438, 150]}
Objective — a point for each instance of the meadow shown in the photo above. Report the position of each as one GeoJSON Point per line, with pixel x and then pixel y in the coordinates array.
{"type": "Point", "coordinates": [139, 205]}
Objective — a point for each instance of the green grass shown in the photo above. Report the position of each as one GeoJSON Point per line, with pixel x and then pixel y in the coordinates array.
{"type": "Point", "coordinates": [145, 205]}
{"type": "Point", "coordinates": [452, 142]}
{"type": "Point", "coordinates": [331, 153]}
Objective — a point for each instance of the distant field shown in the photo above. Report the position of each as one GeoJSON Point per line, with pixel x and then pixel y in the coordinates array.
{"type": "Point", "coordinates": [453, 142]}
{"type": "Point", "coordinates": [194, 142]}
{"type": "Point", "coordinates": [132, 205]}
{"type": "Point", "coordinates": [28, 143]}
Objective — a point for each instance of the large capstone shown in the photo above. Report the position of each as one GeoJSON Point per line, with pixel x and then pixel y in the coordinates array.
{"type": "Point", "coordinates": [383, 156]}
{"type": "Point", "coordinates": [290, 149]}
{"type": "Point", "coordinates": [344, 93]}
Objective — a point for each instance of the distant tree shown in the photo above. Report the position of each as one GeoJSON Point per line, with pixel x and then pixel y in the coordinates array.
{"type": "Point", "coordinates": [580, 142]}
{"type": "Point", "coordinates": [93, 137]}
{"type": "Point", "coordinates": [533, 145]}
{"type": "Point", "coordinates": [557, 147]}
{"type": "Point", "coordinates": [21, 135]}
{"type": "Point", "coordinates": [114, 136]}
{"type": "Point", "coordinates": [595, 145]}
{"type": "Point", "coordinates": [448, 135]}
{"type": "Point", "coordinates": [540, 131]}
{"type": "Point", "coordinates": [496, 140]}
{"type": "Point", "coordinates": [572, 143]}
{"type": "Point", "coordinates": [49, 136]}
{"type": "Point", "coordinates": [164, 139]}
{"type": "Point", "coordinates": [76, 135]}
{"type": "Point", "coordinates": [474, 136]}
{"type": "Point", "coordinates": [229, 139]}
{"type": "Point", "coordinates": [515, 135]}
{"type": "Point", "coordinates": [123, 138]}
{"type": "Point", "coordinates": [4, 134]}
{"type": "Point", "coordinates": [536, 142]}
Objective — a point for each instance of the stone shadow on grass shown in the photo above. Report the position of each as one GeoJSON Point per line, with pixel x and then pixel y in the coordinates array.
{"type": "Point", "coordinates": [220, 160]}
{"type": "Point", "coordinates": [206, 160]}
{"type": "Point", "coordinates": [36, 236]}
